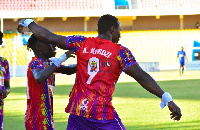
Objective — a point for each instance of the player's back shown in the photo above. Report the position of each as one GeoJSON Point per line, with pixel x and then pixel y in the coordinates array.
{"type": "Point", "coordinates": [97, 71]}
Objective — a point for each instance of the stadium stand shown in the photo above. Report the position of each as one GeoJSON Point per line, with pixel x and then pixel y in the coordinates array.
{"type": "Point", "coordinates": [30, 5]}
{"type": "Point", "coordinates": [157, 45]}
{"type": "Point", "coordinates": [152, 36]}
{"type": "Point", "coordinates": [33, 5]}
{"type": "Point", "coordinates": [121, 4]}
{"type": "Point", "coordinates": [169, 3]}
{"type": "Point", "coordinates": [8, 51]}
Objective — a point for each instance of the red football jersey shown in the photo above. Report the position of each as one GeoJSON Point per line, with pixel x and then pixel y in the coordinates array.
{"type": "Point", "coordinates": [39, 111]}
{"type": "Point", "coordinates": [99, 65]}
{"type": "Point", "coordinates": [4, 75]}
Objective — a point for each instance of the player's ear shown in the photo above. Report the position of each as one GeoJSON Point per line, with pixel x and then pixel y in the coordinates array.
{"type": "Point", "coordinates": [112, 30]}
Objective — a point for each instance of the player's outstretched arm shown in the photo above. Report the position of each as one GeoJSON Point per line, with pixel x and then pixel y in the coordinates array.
{"type": "Point", "coordinates": [147, 82]}
{"type": "Point", "coordinates": [71, 69]}
{"type": "Point", "coordinates": [176, 58]}
{"type": "Point", "coordinates": [42, 33]}
{"type": "Point", "coordinates": [186, 58]}
{"type": "Point", "coordinates": [42, 75]}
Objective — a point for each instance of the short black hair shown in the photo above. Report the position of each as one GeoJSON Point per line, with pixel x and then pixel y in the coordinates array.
{"type": "Point", "coordinates": [106, 22]}
{"type": "Point", "coordinates": [32, 42]}
{"type": "Point", "coordinates": [1, 36]}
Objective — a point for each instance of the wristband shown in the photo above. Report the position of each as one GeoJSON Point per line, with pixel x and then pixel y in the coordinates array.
{"type": "Point", "coordinates": [63, 57]}
{"type": "Point", "coordinates": [166, 97]}
{"type": "Point", "coordinates": [25, 22]}
{"type": "Point", "coordinates": [56, 61]}
{"type": "Point", "coordinates": [53, 88]}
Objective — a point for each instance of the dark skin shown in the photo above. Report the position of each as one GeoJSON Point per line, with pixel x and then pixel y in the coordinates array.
{"type": "Point", "coordinates": [45, 51]}
{"type": "Point", "coordinates": [135, 71]}
{"type": "Point", "coordinates": [4, 93]}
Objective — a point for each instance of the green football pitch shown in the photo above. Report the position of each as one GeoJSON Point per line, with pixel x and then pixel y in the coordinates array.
{"type": "Point", "coordinates": [137, 108]}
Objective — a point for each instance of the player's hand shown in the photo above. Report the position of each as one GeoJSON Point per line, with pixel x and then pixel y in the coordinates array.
{"type": "Point", "coordinates": [20, 29]}
{"type": "Point", "coordinates": [70, 53]}
{"type": "Point", "coordinates": [175, 111]}
{"type": "Point", "coordinates": [3, 93]}
{"type": "Point", "coordinates": [20, 26]}
{"type": "Point", "coordinates": [23, 23]}
{"type": "Point", "coordinates": [1, 101]}
{"type": "Point", "coordinates": [50, 89]}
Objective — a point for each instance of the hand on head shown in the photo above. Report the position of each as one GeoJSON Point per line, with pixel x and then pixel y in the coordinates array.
{"type": "Point", "coordinates": [20, 29]}
{"type": "Point", "coordinates": [20, 26]}
{"type": "Point", "coordinates": [70, 53]}
{"type": "Point", "coordinates": [23, 23]}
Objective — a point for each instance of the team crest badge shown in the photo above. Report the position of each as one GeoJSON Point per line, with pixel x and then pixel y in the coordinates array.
{"type": "Point", "coordinates": [93, 66]}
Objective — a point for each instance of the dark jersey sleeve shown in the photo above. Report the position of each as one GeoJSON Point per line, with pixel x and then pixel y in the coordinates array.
{"type": "Point", "coordinates": [74, 42]}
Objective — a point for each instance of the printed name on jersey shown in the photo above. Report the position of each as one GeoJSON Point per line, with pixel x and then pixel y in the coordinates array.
{"type": "Point", "coordinates": [98, 51]}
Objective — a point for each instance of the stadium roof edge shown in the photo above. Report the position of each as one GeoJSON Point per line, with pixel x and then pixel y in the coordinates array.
{"type": "Point", "coordinates": [97, 13]}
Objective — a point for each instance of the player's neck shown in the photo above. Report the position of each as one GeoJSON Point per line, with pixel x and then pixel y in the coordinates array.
{"type": "Point", "coordinates": [40, 55]}
{"type": "Point", "coordinates": [105, 36]}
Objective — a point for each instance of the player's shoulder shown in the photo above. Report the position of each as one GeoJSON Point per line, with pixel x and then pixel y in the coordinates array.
{"type": "Point", "coordinates": [77, 37]}
{"type": "Point", "coordinates": [36, 60]}
{"type": "Point", "coordinates": [3, 59]}
{"type": "Point", "coordinates": [121, 47]}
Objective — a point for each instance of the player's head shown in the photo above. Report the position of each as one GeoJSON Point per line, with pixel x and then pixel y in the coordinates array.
{"type": "Point", "coordinates": [1, 37]}
{"type": "Point", "coordinates": [41, 48]}
{"type": "Point", "coordinates": [108, 23]}
{"type": "Point", "coordinates": [182, 48]}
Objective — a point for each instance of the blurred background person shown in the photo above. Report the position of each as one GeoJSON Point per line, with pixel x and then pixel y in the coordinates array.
{"type": "Point", "coordinates": [4, 82]}
{"type": "Point", "coordinates": [181, 56]}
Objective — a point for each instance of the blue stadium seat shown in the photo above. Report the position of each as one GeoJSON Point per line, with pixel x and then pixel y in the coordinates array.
{"type": "Point", "coordinates": [121, 3]}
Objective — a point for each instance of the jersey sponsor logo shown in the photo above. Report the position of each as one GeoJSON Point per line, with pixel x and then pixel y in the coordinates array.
{"type": "Point", "coordinates": [102, 52]}
{"type": "Point", "coordinates": [105, 66]}
{"type": "Point", "coordinates": [181, 55]}
{"type": "Point", "coordinates": [84, 104]}
{"type": "Point", "coordinates": [96, 65]}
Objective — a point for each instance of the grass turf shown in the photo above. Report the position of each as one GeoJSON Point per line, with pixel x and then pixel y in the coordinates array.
{"type": "Point", "coordinates": [137, 108]}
